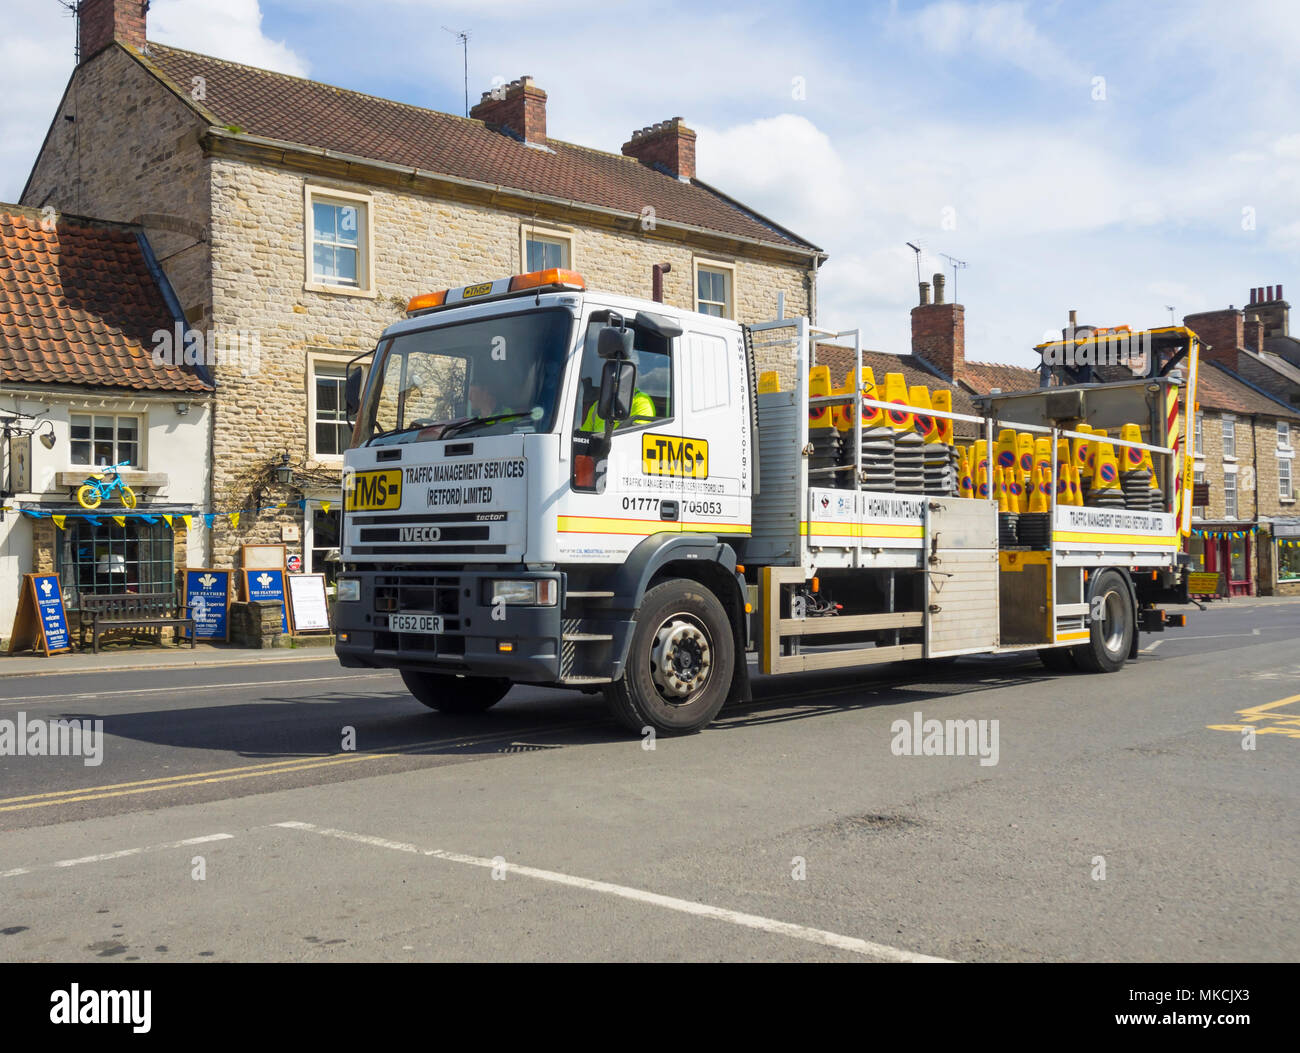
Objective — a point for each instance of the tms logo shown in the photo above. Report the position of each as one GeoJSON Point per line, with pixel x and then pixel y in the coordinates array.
{"type": "Point", "coordinates": [420, 534]}
{"type": "Point", "coordinates": [374, 490]}
{"type": "Point", "coordinates": [666, 455]}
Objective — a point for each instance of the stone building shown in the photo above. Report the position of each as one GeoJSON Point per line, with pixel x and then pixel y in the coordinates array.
{"type": "Point", "coordinates": [303, 217]}
{"type": "Point", "coordinates": [79, 302]}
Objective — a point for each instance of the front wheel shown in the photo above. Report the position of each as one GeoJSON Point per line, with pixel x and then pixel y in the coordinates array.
{"type": "Point", "coordinates": [458, 695]}
{"type": "Point", "coordinates": [128, 497]}
{"type": "Point", "coordinates": [1111, 626]}
{"type": "Point", "coordinates": [679, 663]}
{"type": "Point", "coordinates": [88, 496]}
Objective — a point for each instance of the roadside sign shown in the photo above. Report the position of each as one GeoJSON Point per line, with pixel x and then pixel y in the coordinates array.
{"type": "Point", "coordinates": [207, 598]}
{"type": "Point", "coordinates": [42, 622]}
{"type": "Point", "coordinates": [268, 585]}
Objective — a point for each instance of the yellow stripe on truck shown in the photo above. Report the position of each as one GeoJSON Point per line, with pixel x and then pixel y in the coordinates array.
{"type": "Point", "coordinates": [905, 530]}
{"type": "Point", "coordinates": [1069, 537]}
{"type": "Point", "coordinates": [614, 525]}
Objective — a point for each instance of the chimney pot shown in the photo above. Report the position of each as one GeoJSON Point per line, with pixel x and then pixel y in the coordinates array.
{"type": "Point", "coordinates": [518, 108]}
{"type": "Point", "coordinates": [925, 294]}
{"type": "Point", "coordinates": [100, 22]}
{"type": "Point", "coordinates": [1270, 294]}
{"type": "Point", "coordinates": [938, 288]}
{"type": "Point", "coordinates": [668, 145]}
{"type": "Point", "coordinates": [1279, 292]}
{"type": "Point", "coordinates": [1253, 293]}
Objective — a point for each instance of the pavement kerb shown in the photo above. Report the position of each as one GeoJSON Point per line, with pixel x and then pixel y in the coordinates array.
{"type": "Point", "coordinates": [39, 666]}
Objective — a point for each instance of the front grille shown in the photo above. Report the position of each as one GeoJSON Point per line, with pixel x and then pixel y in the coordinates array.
{"type": "Point", "coordinates": [423, 592]}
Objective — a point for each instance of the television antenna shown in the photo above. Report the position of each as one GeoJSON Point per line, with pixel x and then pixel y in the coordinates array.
{"type": "Point", "coordinates": [1170, 308]}
{"type": "Point", "coordinates": [956, 266]}
{"type": "Point", "coordinates": [917, 250]}
{"type": "Point", "coordinates": [462, 35]}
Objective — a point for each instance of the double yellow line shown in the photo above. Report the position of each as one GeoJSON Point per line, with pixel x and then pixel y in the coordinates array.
{"type": "Point", "coordinates": [252, 771]}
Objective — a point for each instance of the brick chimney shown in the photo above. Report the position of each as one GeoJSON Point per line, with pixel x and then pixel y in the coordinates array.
{"type": "Point", "coordinates": [668, 146]}
{"type": "Point", "coordinates": [520, 110]}
{"type": "Point", "coordinates": [1254, 339]}
{"type": "Point", "coordinates": [939, 332]}
{"type": "Point", "coordinates": [100, 22]}
{"type": "Point", "coordinates": [1221, 333]}
{"type": "Point", "coordinates": [1267, 304]}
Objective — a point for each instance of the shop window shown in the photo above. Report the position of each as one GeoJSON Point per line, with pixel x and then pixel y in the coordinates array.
{"type": "Point", "coordinates": [105, 557]}
{"type": "Point", "coordinates": [1288, 560]}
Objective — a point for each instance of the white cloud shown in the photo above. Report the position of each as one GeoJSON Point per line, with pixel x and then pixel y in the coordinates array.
{"type": "Point", "coordinates": [228, 29]}
{"type": "Point", "coordinates": [1000, 32]}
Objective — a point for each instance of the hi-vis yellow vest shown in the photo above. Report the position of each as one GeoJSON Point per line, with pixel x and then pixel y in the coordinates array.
{"type": "Point", "coordinates": [642, 406]}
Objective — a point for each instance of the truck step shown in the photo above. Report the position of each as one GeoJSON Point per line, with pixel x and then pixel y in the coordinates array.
{"type": "Point", "coordinates": [577, 595]}
{"type": "Point", "coordinates": [587, 637]}
{"type": "Point", "coordinates": [582, 681]}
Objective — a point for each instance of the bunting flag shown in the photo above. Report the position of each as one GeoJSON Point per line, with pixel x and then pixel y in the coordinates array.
{"type": "Point", "coordinates": [168, 521]}
{"type": "Point", "coordinates": [120, 520]}
{"type": "Point", "coordinates": [234, 519]}
{"type": "Point", "coordinates": [325, 506]}
{"type": "Point", "coordinates": [60, 521]}
{"type": "Point", "coordinates": [208, 519]}
{"type": "Point", "coordinates": [187, 519]}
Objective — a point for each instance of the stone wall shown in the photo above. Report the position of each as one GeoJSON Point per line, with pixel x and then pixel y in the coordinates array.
{"type": "Point", "coordinates": [131, 155]}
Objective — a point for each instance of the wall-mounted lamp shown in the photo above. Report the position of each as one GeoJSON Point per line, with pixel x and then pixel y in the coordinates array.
{"type": "Point", "coordinates": [182, 408]}
{"type": "Point", "coordinates": [284, 470]}
{"type": "Point", "coordinates": [47, 439]}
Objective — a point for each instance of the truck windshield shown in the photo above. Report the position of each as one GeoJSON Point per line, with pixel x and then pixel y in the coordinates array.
{"type": "Point", "coordinates": [492, 376]}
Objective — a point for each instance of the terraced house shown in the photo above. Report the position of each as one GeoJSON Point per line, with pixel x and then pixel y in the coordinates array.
{"type": "Point", "coordinates": [305, 216]}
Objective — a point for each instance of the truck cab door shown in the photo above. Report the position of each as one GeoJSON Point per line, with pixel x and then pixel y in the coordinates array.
{"type": "Point", "coordinates": [635, 489]}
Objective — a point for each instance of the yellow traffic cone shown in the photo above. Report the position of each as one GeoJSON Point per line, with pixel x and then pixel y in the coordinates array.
{"type": "Point", "coordinates": [1000, 485]}
{"type": "Point", "coordinates": [769, 380]}
{"type": "Point", "coordinates": [1006, 451]}
{"type": "Point", "coordinates": [926, 425]}
{"type": "Point", "coordinates": [982, 487]}
{"type": "Point", "coordinates": [900, 419]}
{"type": "Point", "coordinates": [965, 477]}
{"type": "Point", "coordinates": [980, 455]}
{"type": "Point", "coordinates": [941, 399]}
{"type": "Point", "coordinates": [1025, 454]}
{"type": "Point", "coordinates": [819, 384]}
{"type": "Point", "coordinates": [1040, 501]}
{"type": "Point", "coordinates": [872, 416]}
{"type": "Point", "coordinates": [1135, 460]}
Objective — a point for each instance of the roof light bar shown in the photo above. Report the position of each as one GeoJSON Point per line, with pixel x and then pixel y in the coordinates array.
{"type": "Point", "coordinates": [549, 279]}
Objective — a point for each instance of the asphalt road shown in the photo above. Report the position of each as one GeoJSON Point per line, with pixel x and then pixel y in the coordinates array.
{"type": "Point", "coordinates": [227, 820]}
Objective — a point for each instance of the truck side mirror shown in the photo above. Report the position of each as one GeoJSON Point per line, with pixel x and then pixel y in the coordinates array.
{"type": "Point", "coordinates": [352, 393]}
{"type": "Point", "coordinates": [614, 342]}
{"type": "Point", "coordinates": [617, 383]}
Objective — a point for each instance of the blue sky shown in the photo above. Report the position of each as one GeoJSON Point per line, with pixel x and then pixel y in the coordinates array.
{"type": "Point", "coordinates": [1110, 157]}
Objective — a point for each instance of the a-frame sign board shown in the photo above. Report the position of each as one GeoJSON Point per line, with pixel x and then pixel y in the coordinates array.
{"type": "Point", "coordinates": [42, 622]}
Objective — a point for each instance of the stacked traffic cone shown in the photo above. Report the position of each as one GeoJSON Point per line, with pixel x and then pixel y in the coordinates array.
{"type": "Point", "coordinates": [1081, 455]}
{"type": "Point", "coordinates": [1035, 526]}
{"type": "Point", "coordinates": [1105, 491]}
{"type": "Point", "coordinates": [1025, 455]}
{"type": "Point", "coordinates": [1008, 516]}
{"type": "Point", "coordinates": [877, 436]}
{"type": "Point", "coordinates": [909, 457]}
{"type": "Point", "coordinates": [941, 399]}
{"type": "Point", "coordinates": [1136, 473]}
{"type": "Point", "coordinates": [823, 436]}
{"type": "Point", "coordinates": [965, 476]}
{"type": "Point", "coordinates": [934, 455]}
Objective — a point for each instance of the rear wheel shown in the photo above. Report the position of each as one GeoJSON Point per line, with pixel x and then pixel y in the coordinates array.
{"type": "Point", "coordinates": [88, 496]}
{"type": "Point", "coordinates": [128, 497]}
{"type": "Point", "coordinates": [679, 661]}
{"type": "Point", "coordinates": [1111, 630]}
{"type": "Point", "coordinates": [448, 693]}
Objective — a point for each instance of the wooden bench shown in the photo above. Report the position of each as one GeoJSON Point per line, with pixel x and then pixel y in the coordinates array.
{"type": "Point", "coordinates": [101, 612]}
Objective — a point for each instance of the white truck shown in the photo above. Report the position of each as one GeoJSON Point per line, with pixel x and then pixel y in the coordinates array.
{"type": "Point", "coordinates": [558, 486]}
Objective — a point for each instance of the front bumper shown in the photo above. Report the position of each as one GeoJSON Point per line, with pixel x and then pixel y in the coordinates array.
{"type": "Point", "coordinates": [472, 639]}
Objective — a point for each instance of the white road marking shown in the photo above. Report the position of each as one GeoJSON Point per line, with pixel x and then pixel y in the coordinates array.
{"type": "Point", "coordinates": [1152, 646]}
{"type": "Point", "coordinates": [182, 690]}
{"type": "Point", "coordinates": [685, 906]}
{"type": "Point", "coordinates": [122, 853]}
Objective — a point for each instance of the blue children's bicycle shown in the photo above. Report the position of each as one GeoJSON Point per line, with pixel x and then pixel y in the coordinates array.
{"type": "Point", "coordinates": [95, 490]}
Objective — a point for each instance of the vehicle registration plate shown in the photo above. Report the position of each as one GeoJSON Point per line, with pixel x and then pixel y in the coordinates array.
{"type": "Point", "coordinates": [415, 623]}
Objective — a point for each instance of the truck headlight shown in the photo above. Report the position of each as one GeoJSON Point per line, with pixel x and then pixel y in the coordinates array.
{"type": "Point", "coordinates": [537, 593]}
{"type": "Point", "coordinates": [348, 590]}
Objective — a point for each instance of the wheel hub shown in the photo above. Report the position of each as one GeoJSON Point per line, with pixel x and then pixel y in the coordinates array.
{"type": "Point", "coordinates": [680, 659]}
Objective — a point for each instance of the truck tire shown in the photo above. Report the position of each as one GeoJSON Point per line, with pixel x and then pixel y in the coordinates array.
{"type": "Point", "coordinates": [1058, 659]}
{"type": "Point", "coordinates": [679, 662]}
{"type": "Point", "coordinates": [449, 693]}
{"type": "Point", "coordinates": [1111, 635]}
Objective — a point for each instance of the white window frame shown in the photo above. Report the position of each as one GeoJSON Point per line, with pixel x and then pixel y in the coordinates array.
{"type": "Point", "coordinates": [699, 263]}
{"type": "Point", "coordinates": [1198, 476]}
{"type": "Point", "coordinates": [539, 232]}
{"type": "Point", "coordinates": [314, 359]}
{"type": "Point", "coordinates": [141, 423]}
{"type": "Point", "coordinates": [1288, 493]}
{"type": "Point", "coordinates": [1229, 425]}
{"type": "Point", "coordinates": [1227, 475]}
{"type": "Point", "coordinates": [1198, 433]}
{"type": "Point", "coordinates": [1283, 435]}
{"type": "Point", "coordinates": [364, 204]}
